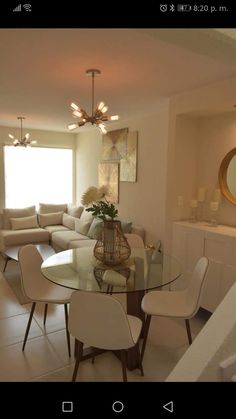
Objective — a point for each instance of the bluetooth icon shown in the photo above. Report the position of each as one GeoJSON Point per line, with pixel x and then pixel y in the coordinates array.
{"type": "Point", "coordinates": [172, 7]}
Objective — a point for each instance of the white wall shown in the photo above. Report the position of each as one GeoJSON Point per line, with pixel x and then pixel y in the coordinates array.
{"type": "Point", "coordinates": [215, 130]}
{"type": "Point", "coordinates": [142, 202]}
{"type": "Point", "coordinates": [44, 139]}
{"type": "Point", "coordinates": [186, 164]}
{"type": "Point", "coordinates": [217, 136]}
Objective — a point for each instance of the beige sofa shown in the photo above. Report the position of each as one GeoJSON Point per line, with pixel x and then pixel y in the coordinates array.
{"type": "Point", "coordinates": [62, 226]}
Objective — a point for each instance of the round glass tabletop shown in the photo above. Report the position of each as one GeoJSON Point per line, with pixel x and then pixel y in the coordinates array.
{"type": "Point", "coordinates": [78, 269]}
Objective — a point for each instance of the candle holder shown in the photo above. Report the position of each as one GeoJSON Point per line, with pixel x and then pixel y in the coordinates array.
{"type": "Point", "coordinates": [214, 206]}
{"type": "Point", "coordinates": [193, 216]}
{"type": "Point", "coordinates": [214, 219]}
{"type": "Point", "coordinates": [193, 206]}
{"type": "Point", "coordinates": [200, 210]}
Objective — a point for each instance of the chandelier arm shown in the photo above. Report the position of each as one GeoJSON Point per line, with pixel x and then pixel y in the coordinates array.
{"type": "Point", "coordinates": [92, 93]}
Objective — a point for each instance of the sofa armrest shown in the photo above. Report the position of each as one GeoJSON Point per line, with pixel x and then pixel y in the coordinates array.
{"type": "Point", "coordinates": [138, 230]}
{"type": "Point", "coordinates": [1, 221]}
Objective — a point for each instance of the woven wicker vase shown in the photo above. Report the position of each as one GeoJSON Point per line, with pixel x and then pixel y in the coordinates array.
{"type": "Point", "coordinates": [113, 248]}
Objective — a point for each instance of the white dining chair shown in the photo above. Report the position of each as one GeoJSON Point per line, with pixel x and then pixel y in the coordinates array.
{"type": "Point", "coordinates": [182, 304]}
{"type": "Point", "coordinates": [100, 321]}
{"type": "Point", "coordinates": [38, 289]}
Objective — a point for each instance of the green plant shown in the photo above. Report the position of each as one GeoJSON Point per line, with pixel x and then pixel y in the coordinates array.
{"type": "Point", "coordinates": [101, 207]}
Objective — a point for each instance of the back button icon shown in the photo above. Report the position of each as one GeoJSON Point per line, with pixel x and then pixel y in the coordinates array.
{"type": "Point", "coordinates": [169, 406]}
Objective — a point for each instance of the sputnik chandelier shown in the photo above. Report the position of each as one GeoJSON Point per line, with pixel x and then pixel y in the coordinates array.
{"type": "Point", "coordinates": [24, 141]}
{"type": "Point", "coordinates": [98, 116]}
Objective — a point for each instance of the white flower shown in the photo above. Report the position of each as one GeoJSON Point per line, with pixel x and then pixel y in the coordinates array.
{"type": "Point", "coordinates": [90, 195]}
{"type": "Point", "coordinates": [102, 192]}
{"type": "Point", "coordinates": [94, 194]}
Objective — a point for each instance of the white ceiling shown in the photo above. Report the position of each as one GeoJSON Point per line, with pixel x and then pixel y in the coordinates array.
{"type": "Point", "coordinates": [43, 70]}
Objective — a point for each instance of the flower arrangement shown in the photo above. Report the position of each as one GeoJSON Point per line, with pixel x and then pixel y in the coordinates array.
{"type": "Point", "coordinates": [101, 207]}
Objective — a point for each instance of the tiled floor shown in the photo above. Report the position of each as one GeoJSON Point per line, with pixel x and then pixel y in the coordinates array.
{"type": "Point", "coordinates": [46, 358]}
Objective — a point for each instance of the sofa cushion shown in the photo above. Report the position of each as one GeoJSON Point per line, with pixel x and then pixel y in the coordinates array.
{"type": "Point", "coordinates": [16, 213]}
{"type": "Point", "coordinates": [82, 227]}
{"type": "Point", "coordinates": [81, 243]}
{"type": "Point", "coordinates": [95, 229]}
{"type": "Point", "coordinates": [75, 211]}
{"type": "Point", "coordinates": [62, 239]}
{"type": "Point", "coordinates": [54, 228]}
{"type": "Point", "coordinates": [51, 208]}
{"type": "Point", "coordinates": [68, 221]}
{"type": "Point", "coordinates": [53, 218]}
{"type": "Point", "coordinates": [24, 222]}
{"type": "Point", "coordinates": [15, 237]}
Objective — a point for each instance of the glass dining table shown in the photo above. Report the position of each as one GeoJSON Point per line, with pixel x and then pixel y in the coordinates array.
{"type": "Point", "coordinates": [78, 269]}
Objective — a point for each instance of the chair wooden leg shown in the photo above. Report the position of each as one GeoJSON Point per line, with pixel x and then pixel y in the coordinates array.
{"type": "Point", "coordinates": [5, 264]}
{"type": "Point", "coordinates": [139, 359]}
{"type": "Point", "coordinates": [79, 346]}
{"type": "Point", "coordinates": [188, 331]}
{"type": "Point", "coordinates": [28, 325]}
{"type": "Point", "coordinates": [145, 334]}
{"type": "Point", "coordinates": [67, 330]}
{"type": "Point", "coordinates": [123, 361]}
{"type": "Point", "coordinates": [76, 348]}
{"type": "Point", "coordinates": [45, 314]}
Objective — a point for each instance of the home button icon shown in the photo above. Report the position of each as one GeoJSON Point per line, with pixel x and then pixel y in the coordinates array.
{"type": "Point", "coordinates": [118, 406]}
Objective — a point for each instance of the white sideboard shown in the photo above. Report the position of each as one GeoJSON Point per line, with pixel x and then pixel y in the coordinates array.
{"type": "Point", "coordinates": [193, 240]}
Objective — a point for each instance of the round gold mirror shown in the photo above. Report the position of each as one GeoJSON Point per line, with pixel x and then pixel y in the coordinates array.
{"type": "Point", "coordinates": [227, 176]}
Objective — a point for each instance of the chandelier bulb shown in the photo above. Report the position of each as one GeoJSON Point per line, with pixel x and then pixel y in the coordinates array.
{"type": "Point", "coordinates": [97, 116]}
{"type": "Point", "coordinates": [114, 118]}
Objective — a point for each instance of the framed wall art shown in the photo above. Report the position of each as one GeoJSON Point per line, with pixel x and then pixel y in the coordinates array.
{"type": "Point", "coordinates": [114, 145]}
{"type": "Point", "coordinates": [108, 175]}
{"type": "Point", "coordinates": [128, 164]}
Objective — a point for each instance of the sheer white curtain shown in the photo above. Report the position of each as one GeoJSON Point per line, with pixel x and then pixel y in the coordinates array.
{"type": "Point", "coordinates": [36, 174]}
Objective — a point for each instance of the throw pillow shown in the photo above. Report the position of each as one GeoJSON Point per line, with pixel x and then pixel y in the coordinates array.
{"type": "Point", "coordinates": [75, 211]}
{"type": "Point", "coordinates": [126, 226]}
{"type": "Point", "coordinates": [86, 216]}
{"type": "Point", "coordinates": [16, 213]}
{"type": "Point", "coordinates": [68, 221]}
{"type": "Point", "coordinates": [55, 218]}
{"type": "Point", "coordinates": [95, 229]}
{"type": "Point", "coordinates": [52, 208]}
{"type": "Point", "coordinates": [22, 223]}
{"type": "Point", "coordinates": [82, 227]}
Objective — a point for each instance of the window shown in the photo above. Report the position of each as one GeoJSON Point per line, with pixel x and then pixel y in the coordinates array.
{"type": "Point", "coordinates": [36, 174]}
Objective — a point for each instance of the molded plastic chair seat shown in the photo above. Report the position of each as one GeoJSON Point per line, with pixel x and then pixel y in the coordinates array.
{"type": "Point", "coordinates": [99, 320]}
{"type": "Point", "coordinates": [179, 304]}
{"type": "Point", "coordinates": [167, 304]}
{"type": "Point", "coordinates": [38, 289]}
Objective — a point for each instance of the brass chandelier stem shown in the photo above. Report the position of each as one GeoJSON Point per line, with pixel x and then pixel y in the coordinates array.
{"type": "Point", "coordinates": [92, 94]}
{"type": "Point", "coordinates": [21, 129]}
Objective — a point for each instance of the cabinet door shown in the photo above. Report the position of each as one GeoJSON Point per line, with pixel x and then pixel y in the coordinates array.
{"type": "Point", "coordinates": [211, 291]}
{"type": "Point", "coordinates": [219, 250]}
{"type": "Point", "coordinates": [187, 247]}
{"type": "Point", "coordinates": [228, 278]}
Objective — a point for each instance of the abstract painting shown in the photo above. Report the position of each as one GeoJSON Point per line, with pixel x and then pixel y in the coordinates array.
{"type": "Point", "coordinates": [115, 144]}
{"type": "Point", "coordinates": [108, 175]}
{"type": "Point", "coordinates": [128, 163]}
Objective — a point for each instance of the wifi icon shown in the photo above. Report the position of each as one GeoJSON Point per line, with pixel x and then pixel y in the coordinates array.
{"type": "Point", "coordinates": [27, 7]}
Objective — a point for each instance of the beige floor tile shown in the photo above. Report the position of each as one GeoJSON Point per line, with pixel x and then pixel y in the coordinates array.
{"type": "Point", "coordinates": [38, 359]}
{"type": "Point", "coordinates": [60, 375]}
{"type": "Point", "coordinates": [55, 317]}
{"type": "Point", "coordinates": [12, 329]}
{"type": "Point", "coordinates": [9, 305]}
{"type": "Point", "coordinates": [59, 343]}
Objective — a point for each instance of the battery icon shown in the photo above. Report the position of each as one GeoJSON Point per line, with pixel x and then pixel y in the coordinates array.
{"type": "Point", "coordinates": [183, 8]}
